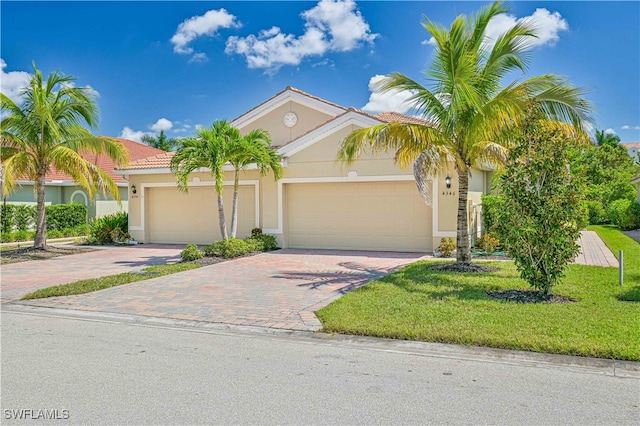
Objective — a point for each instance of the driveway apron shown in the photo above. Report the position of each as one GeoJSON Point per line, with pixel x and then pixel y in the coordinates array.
{"type": "Point", "coordinates": [18, 279]}
{"type": "Point", "coordinates": [280, 289]}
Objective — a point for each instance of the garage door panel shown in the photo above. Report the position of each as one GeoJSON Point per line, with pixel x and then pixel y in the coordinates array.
{"type": "Point", "coordinates": [173, 216]}
{"type": "Point", "coordinates": [363, 215]}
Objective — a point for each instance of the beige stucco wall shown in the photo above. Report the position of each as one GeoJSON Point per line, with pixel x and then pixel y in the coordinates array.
{"type": "Point", "coordinates": [308, 119]}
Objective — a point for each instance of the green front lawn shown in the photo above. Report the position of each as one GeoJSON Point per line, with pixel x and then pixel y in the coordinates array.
{"type": "Point", "coordinates": [93, 284]}
{"type": "Point", "coordinates": [417, 303]}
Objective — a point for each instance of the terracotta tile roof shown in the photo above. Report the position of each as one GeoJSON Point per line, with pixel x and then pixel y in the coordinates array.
{"type": "Point", "coordinates": [136, 150]}
{"type": "Point", "coordinates": [629, 145]}
{"type": "Point", "coordinates": [390, 116]}
{"type": "Point", "coordinates": [160, 161]}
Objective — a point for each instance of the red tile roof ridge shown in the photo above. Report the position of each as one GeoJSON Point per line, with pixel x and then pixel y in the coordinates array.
{"type": "Point", "coordinates": [391, 116]}
{"type": "Point", "coordinates": [628, 145]}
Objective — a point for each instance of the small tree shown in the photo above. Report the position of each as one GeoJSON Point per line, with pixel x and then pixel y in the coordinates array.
{"type": "Point", "coordinates": [541, 214]}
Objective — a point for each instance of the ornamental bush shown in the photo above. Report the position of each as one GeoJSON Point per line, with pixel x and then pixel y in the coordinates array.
{"type": "Point", "coordinates": [190, 253]}
{"type": "Point", "coordinates": [624, 214]}
{"type": "Point", "coordinates": [63, 216]}
{"type": "Point", "coordinates": [104, 229]}
{"type": "Point", "coordinates": [541, 217]}
{"type": "Point", "coordinates": [230, 248]}
{"type": "Point", "coordinates": [263, 242]}
{"type": "Point", "coordinates": [488, 243]}
{"type": "Point", "coordinates": [491, 204]}
{"type": "Point", "coordinates": [447, 246]}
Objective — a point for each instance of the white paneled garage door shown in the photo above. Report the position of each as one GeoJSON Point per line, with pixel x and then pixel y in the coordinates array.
{"type": "Point", "coordinates": [357, 216]}
{"type": "Point", "coordinates": [175, 217]}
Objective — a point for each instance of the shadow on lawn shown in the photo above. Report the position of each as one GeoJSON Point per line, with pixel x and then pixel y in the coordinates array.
{"type": "Point", "coordinates": [354, 277]}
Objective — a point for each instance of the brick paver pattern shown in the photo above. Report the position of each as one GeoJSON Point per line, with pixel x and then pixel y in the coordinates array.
{"type": "Point", "coordinates": [593, 251]}
{"type": "Point", "coordinates": [281, 289]}
{"type": "Point", "coordinates": [18, 279]}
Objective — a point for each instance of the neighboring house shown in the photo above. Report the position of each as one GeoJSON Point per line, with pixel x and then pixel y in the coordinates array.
{"type": "Point", "coordinates": [319, 203]}
{"type": "Point", "coordinates": [636, 182]}
{"type": "Point", "coordinates": [61, 189]}
{"type": "Point", "coordinates": [633, 149]}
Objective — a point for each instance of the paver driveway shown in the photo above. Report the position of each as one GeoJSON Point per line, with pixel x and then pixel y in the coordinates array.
{"type": "Point", "coordinates": [18, 279]}
{"type": "Point", "coordinates": [279, 289]}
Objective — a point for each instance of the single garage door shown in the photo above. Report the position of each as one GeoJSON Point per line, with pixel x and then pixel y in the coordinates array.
{"type": "Point", "coordinates": [358, 216]}
{"type": "Point", "coordinates": [173, 216]}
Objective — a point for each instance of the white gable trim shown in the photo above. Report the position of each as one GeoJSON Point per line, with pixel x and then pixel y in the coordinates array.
{"type": "Point", "coordinates": [347, 119]}
{"type": "Point", "coordinates": [281, 99]}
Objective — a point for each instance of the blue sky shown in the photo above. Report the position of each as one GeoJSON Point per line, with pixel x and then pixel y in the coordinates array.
{"type": "Point", "coordinates": [175, 65]}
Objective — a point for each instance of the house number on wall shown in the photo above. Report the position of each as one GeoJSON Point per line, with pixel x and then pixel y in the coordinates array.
{"type": "Point", "coordinates": [448, 192]}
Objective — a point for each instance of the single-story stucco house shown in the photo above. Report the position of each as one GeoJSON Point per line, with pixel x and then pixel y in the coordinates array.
{"type": "Point", "coordinates": [61, 189]}
{"type": "Point", "coordinates": [319, 203]}
{"type": "Point", "coordinates": [633, 149]}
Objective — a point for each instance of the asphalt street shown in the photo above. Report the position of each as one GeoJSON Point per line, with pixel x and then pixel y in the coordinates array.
{"type": "Point", "coordinates": [107, 371]}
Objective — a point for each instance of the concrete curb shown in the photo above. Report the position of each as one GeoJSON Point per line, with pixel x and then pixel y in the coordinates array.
{"type": "Point", "coordinates": [608, 367]}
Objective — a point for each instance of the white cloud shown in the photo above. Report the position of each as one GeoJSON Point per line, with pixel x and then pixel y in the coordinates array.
{"type": "Point", "coordinates": [199, 58]}
{"type": "Point", "coordinates": [134, 135]}
{"type": "Point", "coordinates": [197, 26]}
{"type": "Point", "coordinates": [332, 25]}
{"type": "Point", "coordinates": [12, 82]}
{"type": "Point", "coordinates": [609, 131]}
{"type": "Point", "coordinates": [383, 102]}
{"type": "Point", "coordinates": [547, 26]}
{"type": "Point", "coordinates": [161, 124]}
{"type": "Point", "coordinates": [430, 42]}
{"type": "Point", "coordinates": [627, 127]}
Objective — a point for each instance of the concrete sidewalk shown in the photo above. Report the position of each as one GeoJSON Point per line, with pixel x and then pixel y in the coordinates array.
{"type": "Point", "coordinates": [594, 252]}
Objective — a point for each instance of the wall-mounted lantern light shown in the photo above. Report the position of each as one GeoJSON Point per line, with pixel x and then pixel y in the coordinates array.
{"type": "Point", "coordinates": [447, 181]}
{"type": "Point", "coordinates": [133, 189]}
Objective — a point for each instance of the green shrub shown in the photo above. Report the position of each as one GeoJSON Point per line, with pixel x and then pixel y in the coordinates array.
{"type": "Point", "coordinates": [69, 232]}
{"type": "Point", "coordinates": [263, 242]}
{"type": "Point", "coordinates": [7, 214]}
{"type": "Point", "coordinates": [190, 253]}
{"type": "Point", "coordinates": [23, 235]}
{"type": "Point", "coordinates": [24, 216]}
{"type": "Point", "coordinates": [104, 229]}
{"type": "Point", "coordinates": [256, 231]}
{"type": "Point", "coordinates": [596, 212]}
{"type": "Point", "coordinates": [63, 216]}
{"type": "Point", "coordinates": [625, 214]}
{"type": "Point", "coordinates": [229, 249]}
{"type": "Point", "coordinates": [488, 243]}
{"type": "Point", "coordinates": [54, 233]}
{"type": "Point", "coordinates": [447, 246]}
{"type": "Point", "coordinates": [83, 229]}
{"type": "Point", "coordinates": [7, 237]}
{"type": "Point", "coordinates": [491, 205]}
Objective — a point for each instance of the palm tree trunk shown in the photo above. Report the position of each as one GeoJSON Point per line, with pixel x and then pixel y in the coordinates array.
{"type": "Point", "coordinates": [223, 223]}
{"type": "Point", "coordinates": [234, 210]}
{"type": "Point", "coordinates": [40, 241]}
{"type": "Point", "coordinates": [463, 254]}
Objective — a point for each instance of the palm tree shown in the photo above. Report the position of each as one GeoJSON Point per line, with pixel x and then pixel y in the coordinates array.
{"type": "Point", "coordinates": [469, 115]}
{"type": "Point", "coordinates": [605, 138]}
{"type": "Point", "coordinates": [161, 141]}
{"type": "Point", "coordinates": [210, 148]}
{"type": "Point", "coordinates": [46, 131]}
{"type": "Point", "coordinates": [253, 148]}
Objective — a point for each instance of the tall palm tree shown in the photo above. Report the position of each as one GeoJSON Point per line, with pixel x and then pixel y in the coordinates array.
{"type": "Point", "coordinates": [161, 141]}
{"type": "Point", "coordinates": [46, 131]}
{"type": "Point", "coordinates": [253, 148]}
{"type": "Point", "coordinates": [210, 148]}
{"type": "Point", "coordinates": [470, 114]}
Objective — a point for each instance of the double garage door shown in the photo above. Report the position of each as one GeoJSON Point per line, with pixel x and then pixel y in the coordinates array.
{"type": "Point", "coordinates": [173, 216]}
{"type": "Point", "coordinates": [357, 216]}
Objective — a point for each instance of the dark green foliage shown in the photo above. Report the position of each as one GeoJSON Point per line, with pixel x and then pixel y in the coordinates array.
{"type": "Point", "coordinates": [491, 204]}
{"type": "Point", "coordinates": [24, 216]}
{"type": "Point", "coordinates": [24, 235]}
{"type": "Point", "coordinates": [263, 242]}
{"type": "Point", "coordinates": [8, 217]}
{"type": "Point", "coordinates": [104, 229]}
{"type": "Point", "coordinates": [161, 141]}
{"type": "Point", "coordinates": [625, 214]}
{"type": "Point", "coordinates": [61, 216]}
{"type": "Point", "coordinates": [7, 237]}
{"type": "Point", "coordinates": [230, 248]}
{"type": "Point", "coordinates": [190, 253]}
{"type": "Point", "coordinates": [256, 231]}
{"type": "Point", "coordinates": [541, 217]}
{"type": "Point", "coordinates": [597, 213]}
{"type": "Point", "coordinates": [54, 233]}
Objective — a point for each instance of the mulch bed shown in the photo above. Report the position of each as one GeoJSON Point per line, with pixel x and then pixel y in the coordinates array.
{"type": "Point", "coordinates": [528, 296]}
{"type": "Point", "coordinates": [23, 254]}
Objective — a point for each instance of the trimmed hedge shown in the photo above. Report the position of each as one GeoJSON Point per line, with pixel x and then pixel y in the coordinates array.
{"type": "Point", "coordinates": [22, 217]}
{"type": "Point", "coordinates": [64, 216]}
